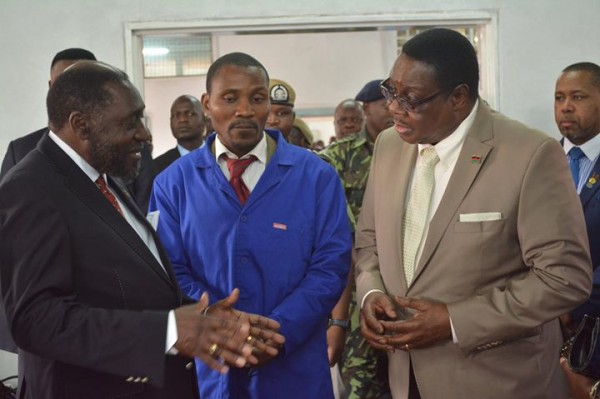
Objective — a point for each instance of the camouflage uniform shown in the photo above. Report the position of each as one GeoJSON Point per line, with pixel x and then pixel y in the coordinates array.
{"type": "Point", "coordinates": [363, 369]}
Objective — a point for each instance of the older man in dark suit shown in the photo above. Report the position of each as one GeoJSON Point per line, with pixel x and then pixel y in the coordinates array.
{"type": "Point", "coordinates": [89, 293]}
{"type": "Point", "coordinates": [19, 148]}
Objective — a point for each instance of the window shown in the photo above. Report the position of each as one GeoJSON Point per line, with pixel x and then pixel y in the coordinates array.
{"type": "Point", "coordinates": [176, 55]}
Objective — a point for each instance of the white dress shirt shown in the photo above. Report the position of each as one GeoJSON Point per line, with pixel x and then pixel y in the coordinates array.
{"type": "Point", "coordinates": [254, 171]}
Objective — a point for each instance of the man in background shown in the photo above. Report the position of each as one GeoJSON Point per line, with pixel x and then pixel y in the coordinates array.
{"type": "Point", "coordinates": [187, 126]}
{"type": "Point", "coordinates": [250, 210]}
{"type": "Point", "coordinates": [363, 368]}
{"type": "Point", "coordinates": [17, 149]}
{"type": "Point", "coordinates": [89, 292]}
{"type": "Point", "coordinates": [577, 115]}
{"type": "Point", "coordinates": [140, 186]}
{"type": "Point", "coordinates": [471, 240]}
{"type": "Point", "coordinates": [301, 135]}
{"type": "Point", "coordinates": [281, 116]}
{"type": "Point", "coordinates": [348, 118]}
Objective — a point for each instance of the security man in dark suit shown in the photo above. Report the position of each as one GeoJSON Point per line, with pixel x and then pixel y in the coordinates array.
{"type": "Point", "coordinates": [577, 115]}
{"type": "Point", "coordinates": [187, 125]}
{"type": "Point", "coordinates": [17, 149]}
{"type": "Point", "coordinates": [140, 187]}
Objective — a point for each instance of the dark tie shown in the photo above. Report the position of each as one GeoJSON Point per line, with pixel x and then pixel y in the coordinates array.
{"type": "Point", "coordinates": [236, 169]}
{"type": "Point", "coordinates": [101, 183]}
{"type": "Point", "coordinates": [575, 154]}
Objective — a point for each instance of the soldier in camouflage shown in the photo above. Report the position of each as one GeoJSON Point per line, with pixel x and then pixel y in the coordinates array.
{"type": "Point", "coordinates": [363, 369]}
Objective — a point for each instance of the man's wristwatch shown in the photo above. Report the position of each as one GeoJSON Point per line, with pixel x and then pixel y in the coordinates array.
{"type": "Point", "coordinates": [345, 324]}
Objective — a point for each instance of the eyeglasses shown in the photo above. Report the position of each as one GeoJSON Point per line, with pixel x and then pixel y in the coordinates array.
{"type": "Point", "coordinates": [405, 103]}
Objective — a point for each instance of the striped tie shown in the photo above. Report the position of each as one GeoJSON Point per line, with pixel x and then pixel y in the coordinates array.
{"type": "Point", "coordinates": [101, 183]}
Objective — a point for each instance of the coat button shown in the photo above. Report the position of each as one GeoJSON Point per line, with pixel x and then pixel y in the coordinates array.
{"type": "Point", "coordinates": [189, 365]}
{"type": "Point", "coordinates": [145, 380]}
{"type": "Point", "coordinates": [138, 379]}
{"type": "Point", "coordinates": [129, 379]}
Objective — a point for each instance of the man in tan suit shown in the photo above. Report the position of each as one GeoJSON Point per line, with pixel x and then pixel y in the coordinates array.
{"type": "Point", "coordinates": [471, 240]}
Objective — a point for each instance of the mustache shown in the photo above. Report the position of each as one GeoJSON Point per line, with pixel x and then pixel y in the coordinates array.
{"type": "Point", "coordinates": [243, 124]}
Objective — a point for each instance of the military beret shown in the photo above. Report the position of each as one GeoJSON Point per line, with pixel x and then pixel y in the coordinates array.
{"type": "Point", "coordinates": [304, 129]}
{"type": "Point", "coordinates": [281, 93]}
{"type": "Point", "coordinates": [370, 92]}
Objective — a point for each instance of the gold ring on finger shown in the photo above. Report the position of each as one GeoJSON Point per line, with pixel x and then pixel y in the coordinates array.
{"type": "Point", "coordinates": [212, 350]}
{"type": "Point", "coordinates": [407, 347]}
{"type": "Point", "coordinates": [250, 339]}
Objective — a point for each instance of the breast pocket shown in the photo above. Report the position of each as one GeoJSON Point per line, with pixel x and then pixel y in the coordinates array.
{"type": "Point", "coordinates": [480, 227]}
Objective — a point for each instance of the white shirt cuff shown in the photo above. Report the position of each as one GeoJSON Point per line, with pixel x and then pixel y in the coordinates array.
{"type": "Point", "coordinates": [362, 303]}
{"type": "Point", "coordinates": [171, 334]}
{"type": "Point", "coordinates": [454, 338]}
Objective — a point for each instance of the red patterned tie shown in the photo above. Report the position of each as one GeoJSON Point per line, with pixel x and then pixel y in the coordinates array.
{"type": "Point", "coordinates": [236, 169]}
{"type": "Point", "coordinates": [101, 183]}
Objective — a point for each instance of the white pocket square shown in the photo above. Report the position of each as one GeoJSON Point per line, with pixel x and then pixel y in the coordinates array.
{"type": "Point", "coordinates": [480, 217]}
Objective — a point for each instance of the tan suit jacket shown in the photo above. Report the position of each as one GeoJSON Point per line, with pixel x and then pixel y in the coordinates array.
{"type": "Point", "coordinates": [504, 281]}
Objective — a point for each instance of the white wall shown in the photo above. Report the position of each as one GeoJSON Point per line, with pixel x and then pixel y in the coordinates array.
{"type": "Point", "coordinates": [309, 62]}
{"type": "Point", "coordinates": [536, 39]}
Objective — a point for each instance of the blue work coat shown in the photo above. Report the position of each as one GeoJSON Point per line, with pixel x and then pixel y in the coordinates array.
{"type": "Point", "coordinates": [287, 250]}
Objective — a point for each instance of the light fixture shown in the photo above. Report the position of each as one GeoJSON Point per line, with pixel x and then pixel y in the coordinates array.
{"type": "Point", "coordinates": [155, 51]}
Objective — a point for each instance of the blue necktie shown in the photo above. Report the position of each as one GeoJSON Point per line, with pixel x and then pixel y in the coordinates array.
{"type": "Point", "coordinates": [575, 154]}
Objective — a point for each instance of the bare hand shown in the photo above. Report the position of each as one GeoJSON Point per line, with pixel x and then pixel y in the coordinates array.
{"type": "Point", "coordinates": [336, 339]}
{"type": "Point", "coordinates": [215, 341]}
{"type": "Point", "coordinates": [263, 335]}
{"type": "Point", "coordinates": [377, 308]}
{"type": "Point", "coordinates": [429, 324]}
{"type": "Point", "coordinates": [579, 385]}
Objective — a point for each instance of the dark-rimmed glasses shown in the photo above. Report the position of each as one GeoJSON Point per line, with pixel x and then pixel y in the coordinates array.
{"type": "Point", "coordinates": [404, 102]}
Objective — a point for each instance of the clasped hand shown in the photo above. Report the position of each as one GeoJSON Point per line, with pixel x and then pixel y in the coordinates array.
{"type": "Point", "coordinates": [383, 328]}
{"type": "Point", "coordinates": [221, 336]}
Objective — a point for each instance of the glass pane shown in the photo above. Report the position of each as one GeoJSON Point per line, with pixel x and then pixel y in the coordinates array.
{"type": "Point", "coordinates": [176, 55]}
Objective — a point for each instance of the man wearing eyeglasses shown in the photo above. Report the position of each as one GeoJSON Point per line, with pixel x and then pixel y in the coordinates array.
{"type": "Point", "coordinates": [471, 239]}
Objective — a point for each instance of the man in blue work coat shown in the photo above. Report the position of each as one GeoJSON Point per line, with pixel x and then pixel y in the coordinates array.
{"type": "Point", "coordinates": [250, 211]}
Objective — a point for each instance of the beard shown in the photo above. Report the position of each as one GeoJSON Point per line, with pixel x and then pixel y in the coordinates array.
{"type": "Point", "coordinates": [111, 159]}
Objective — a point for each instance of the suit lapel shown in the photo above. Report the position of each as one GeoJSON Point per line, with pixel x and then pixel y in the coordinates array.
{"type": "Point", "coordinates": [121, 189]}
{"type": "Point", "coordinates": [87, 192]}
{"type": "Point", "coordinates": [591, 185]}
{"type": "Point", "coordinates": [471, 159]}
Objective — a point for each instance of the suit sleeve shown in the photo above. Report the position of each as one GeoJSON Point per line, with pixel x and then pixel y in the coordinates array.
{"type": "Point", "coordinates": [367, 261]}
{"type": "Point", "coordinates": [313, 299]}
{"type": "Point", "coordinates": [164, 199]}
{"type": "Point", "coordinates": [554, 247]}
{"type": "Point", "coordinates": [39, 273]}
